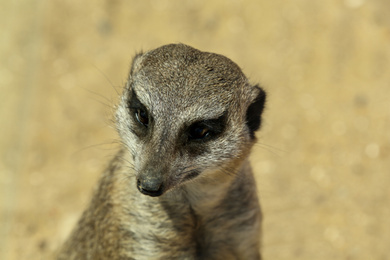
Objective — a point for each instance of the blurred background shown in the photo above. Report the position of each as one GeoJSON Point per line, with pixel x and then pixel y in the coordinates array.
{"type": "Point", "coordinates": [323, 159]}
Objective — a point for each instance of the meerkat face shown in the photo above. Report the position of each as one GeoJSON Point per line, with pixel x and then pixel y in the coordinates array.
{"type": "Point", "coordinates": [184, 114]}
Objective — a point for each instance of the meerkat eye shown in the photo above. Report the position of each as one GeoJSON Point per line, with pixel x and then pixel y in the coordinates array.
{"type": "Point", "coordinates": [138, 110]}
{"type": "Point", "coordinates": [197, 132]}
{"type": "Point", "coordinates": [142, 117]}
{"type": "Point", "coordinates": [206, 130]}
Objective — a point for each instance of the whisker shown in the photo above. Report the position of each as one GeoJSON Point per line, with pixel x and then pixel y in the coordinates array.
{"type": "Point", "coordinates": [272, 149]}
{"type": "Point", "coordinates": [106, 102]}
{"type": "Point", "coordinates": [105, 144]}
{"type": "Point", "coordinates": [106, 77]}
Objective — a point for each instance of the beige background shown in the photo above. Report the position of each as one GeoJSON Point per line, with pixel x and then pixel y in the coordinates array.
{"type": "Point", "coordinates": [323, 159]}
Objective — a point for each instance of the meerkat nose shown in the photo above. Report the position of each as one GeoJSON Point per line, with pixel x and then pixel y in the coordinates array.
{"type": "Point", "coordinates": [151, 186]}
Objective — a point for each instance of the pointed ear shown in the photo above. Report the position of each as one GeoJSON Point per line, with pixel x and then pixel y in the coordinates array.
{"type": "Point", "coordinates": [255, 109]}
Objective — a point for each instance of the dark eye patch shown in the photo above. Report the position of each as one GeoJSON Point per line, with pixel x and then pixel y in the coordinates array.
{"type": "Point", "coordinates": [138, 111]}
{"type": "Point", "coordinates": [206, 130]}
{"type": "Point", "coordinates": [198, 132]}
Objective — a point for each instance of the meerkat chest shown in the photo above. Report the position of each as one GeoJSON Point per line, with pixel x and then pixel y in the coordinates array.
{"type": "Point", "coordinates": [178, 231]}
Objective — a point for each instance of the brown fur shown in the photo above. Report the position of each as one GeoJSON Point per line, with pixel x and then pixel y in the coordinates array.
{"type": "Point", "coordinates": [203, 200]}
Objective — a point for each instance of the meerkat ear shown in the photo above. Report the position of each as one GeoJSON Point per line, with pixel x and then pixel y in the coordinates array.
{"type": "Point", "coordinates": [255, 109]}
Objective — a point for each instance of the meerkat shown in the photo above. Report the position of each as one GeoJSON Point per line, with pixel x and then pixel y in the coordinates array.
{"type": "Point", "coordinates": [181, 186]}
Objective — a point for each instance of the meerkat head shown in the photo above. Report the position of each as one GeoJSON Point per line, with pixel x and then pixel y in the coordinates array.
{"type": "Point", "coordinates": [185, 113]}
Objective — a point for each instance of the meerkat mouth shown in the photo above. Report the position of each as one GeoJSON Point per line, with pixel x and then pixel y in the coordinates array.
{"type": "Point", "coordinates": [191, 175]}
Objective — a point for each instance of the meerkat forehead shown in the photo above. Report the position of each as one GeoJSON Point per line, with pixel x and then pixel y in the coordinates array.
{"type": "Point", "coordinates": [179, 77]}
{"type": "Point", "coordinates": [178, 60]}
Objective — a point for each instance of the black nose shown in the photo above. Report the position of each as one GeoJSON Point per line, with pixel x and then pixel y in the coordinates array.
{"type": "Point", "coordinates": [151, 186]}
